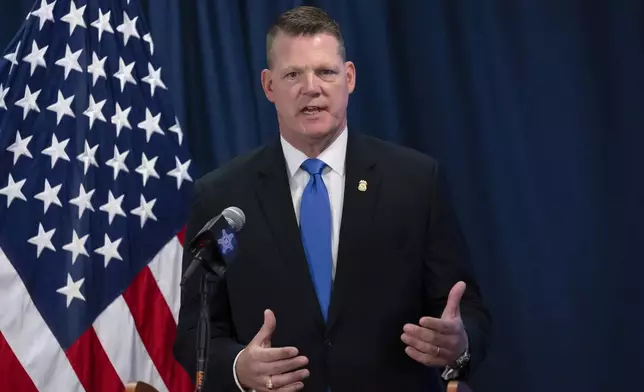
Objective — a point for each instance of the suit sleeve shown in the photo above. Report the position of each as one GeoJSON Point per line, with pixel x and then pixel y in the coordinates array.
{"type": "Point", "coordinates": [223, 348]}
{"type": "Point", "coordinates": [447, 262]}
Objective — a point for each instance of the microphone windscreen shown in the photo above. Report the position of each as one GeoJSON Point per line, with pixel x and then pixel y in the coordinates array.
{"type": "Point", "coordinates": [235, 217]}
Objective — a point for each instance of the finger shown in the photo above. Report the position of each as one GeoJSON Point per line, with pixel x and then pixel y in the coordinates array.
{"type": "Point", "coordinates": [419, 344]}
{"type": "Point", "coordinates": [293, 387]}
{"type": "Point", "coordinates": [430, 336]}
{"type": "Point", "coordinates": [285, 379]}
{"type": "Point", "coordinates": [425, 359]}
{"type": "Point", "coordinates": [434, 350]}
{"type": "Point", "coordinates": [275, 354]}
{"type": "Point", "coordinates": [263, 336]}
{"type": "Point", "coordinates": [453, 307]}
{"type": "Point", "coordinates": [445, 327]}
{"type": "Point", "coordinates": [285, 365]}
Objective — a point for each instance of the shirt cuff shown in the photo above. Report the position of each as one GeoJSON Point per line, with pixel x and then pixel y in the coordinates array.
{"type": "Point", "coordinates": [235, 374]}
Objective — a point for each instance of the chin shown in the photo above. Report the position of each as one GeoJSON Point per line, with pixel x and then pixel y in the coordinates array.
{"type": "Point", "coordinates": [318, 129]}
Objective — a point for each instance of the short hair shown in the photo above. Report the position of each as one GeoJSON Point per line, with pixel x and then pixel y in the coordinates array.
{"type": "Point", "coordinates": [304, 20]}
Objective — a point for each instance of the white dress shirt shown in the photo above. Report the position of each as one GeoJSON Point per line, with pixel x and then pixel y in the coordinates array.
{"type": "Point", "coordinates": [333, 176]}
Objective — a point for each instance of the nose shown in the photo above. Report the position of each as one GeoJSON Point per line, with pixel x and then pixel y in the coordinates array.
{"type": "Point", "coordinates": [311, 85]}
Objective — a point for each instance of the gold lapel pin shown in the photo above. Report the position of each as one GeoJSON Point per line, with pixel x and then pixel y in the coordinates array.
{"type": "Point", "coordinates": [362, 186]}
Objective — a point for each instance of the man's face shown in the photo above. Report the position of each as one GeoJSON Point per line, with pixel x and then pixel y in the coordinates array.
{"type": "Point", "coordinates": [309, 84]}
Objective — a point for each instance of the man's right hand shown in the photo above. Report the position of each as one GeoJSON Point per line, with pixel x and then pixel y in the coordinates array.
{"type": "Point", "coordinates": [259, 362]}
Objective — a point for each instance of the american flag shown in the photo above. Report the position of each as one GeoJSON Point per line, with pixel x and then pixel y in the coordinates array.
{"type": "Point", "coordinates": [94, 188]}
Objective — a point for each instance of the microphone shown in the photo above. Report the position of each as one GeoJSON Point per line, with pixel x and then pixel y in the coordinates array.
{"type": "Point", "coordinates": [218, 232]}
{"type": "Point", "coordinates": [213, 247]}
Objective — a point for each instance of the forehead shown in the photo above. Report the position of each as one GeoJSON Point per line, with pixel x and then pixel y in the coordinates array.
{"type": "Point", "coordinates": [305, 50]}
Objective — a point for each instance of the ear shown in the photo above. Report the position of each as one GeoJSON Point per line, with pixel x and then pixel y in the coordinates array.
{"type": "Point", "coordinates": [351, 75]}
{"type": "Point", "coordinates": [267, 83]}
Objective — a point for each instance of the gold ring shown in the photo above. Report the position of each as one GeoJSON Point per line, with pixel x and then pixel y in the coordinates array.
{"type": "Point", "coordinates": [269, 383]}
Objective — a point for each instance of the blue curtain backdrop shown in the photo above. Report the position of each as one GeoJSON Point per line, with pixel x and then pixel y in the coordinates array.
{"type": "Point", "coordinates": [535, 108]}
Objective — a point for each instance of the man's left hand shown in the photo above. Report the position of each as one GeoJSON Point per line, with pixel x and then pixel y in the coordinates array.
{"type": "Point", "coordinates": [438, 341]}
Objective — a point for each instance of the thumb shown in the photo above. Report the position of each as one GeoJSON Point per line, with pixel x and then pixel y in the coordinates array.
{"type": "Point", "coordinates": [453, 308]}
{"type": "Point", "coordinates": [263, 336]}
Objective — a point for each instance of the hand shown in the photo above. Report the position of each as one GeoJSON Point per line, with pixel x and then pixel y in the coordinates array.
{"type": "Point", "coordinates": [438, 342]}
{"type": "Point", "coordinates": [259, 362]}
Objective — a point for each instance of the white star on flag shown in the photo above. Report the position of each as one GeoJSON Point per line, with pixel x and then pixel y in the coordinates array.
{"type": "Point", "coordinates": [70, 61]}
{"type": "Point", "coordinates": [148, 38]}
{"type": "Point", "coordinates": [19, 147]}
{"type": "Point", "coordinates": [62, 107]}
{"type": "Point", "coordinates": [37, 57]}
{"type": "Point", "coordinates": [176, 128]}
{"type": "Point", "coordinates": [154, 79]}
{"type": "Point", "coordinates": [147, 168]}
{"type": "Point", "coordinates": [45, 12]}
{"type": "Point", "coordinates": [102, 24]}
{"type": "Point", "coordinates": [145, 210]}
{"type": "Point", "coordinates": [113, 207]}
{"type": "Point", "coordinates": [77, 246]}
{"type": "Point", "coordinates": [13, 57]}
{"type": "Point", "coordinates": [49, 195]}
{"type": "Point", "coordinates": [13, 190]}
{"type": "Point", "coordinates": [128, 28]}
{"type": "Point", "coordinates": [95, 111]}
{"type": "Point", "coordinates": [42, 240]}
{"type": "Point", "coordinates": [180, 172]}
{"type": "Point", "coordinates": [57, 150]}
{"type": "Point", "coordinates": [83, 201]}
{"type": "Point", "coordinates": [75, 17]}
{"type": "Point", "coordinates": [109, 250]}
{"type": "Point", "coordinates": [151, 125]}
{"type": "Point", "coordinates": [88, 157]}
{"type": "Point", "coordinates": [120, 119]}
{"type": "Point", "coordinates": [28, 102]}
{"type": "Point", "coordinates": [124, 73]}
{"type": "Point", "coordinates": [97, 68]}
{"type": "Point", "coordinates": [3, 94]}
{"type": "Point", "coordinates": [72, 290]}
{"type": "Point", "coordinates": [118, 162]}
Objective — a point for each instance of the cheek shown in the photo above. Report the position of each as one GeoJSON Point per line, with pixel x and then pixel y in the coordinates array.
{"type": "Point", "coordinates": [285, 101]}
{"type": "Point", "coordinates": [337, 93]}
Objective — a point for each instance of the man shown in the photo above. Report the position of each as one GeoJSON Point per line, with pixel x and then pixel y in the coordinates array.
{"type": "Point", "coordinates": [351, 274]}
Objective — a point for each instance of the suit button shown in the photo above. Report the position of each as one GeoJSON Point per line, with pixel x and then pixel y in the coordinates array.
{"type": "Point", "coordinates": [328, 343]}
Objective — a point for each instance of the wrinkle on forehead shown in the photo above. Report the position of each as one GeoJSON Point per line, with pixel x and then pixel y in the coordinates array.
{"type": "Point", "coordinates": [305, 52]}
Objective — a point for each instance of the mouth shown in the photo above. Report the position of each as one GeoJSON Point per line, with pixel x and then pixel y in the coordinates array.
{"type": "Point", "coordinates": [311, 110]}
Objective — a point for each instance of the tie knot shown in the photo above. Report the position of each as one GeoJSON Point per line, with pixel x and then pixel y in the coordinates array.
{"type": "Point", "coordinates": [313, 166]}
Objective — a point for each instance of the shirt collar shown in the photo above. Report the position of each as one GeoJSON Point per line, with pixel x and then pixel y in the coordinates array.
{"type": "Point", "coordinates": [333, 156]}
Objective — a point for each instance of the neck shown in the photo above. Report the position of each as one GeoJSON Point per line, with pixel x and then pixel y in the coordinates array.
{"type": "Point", "coordinates": [313, 147]}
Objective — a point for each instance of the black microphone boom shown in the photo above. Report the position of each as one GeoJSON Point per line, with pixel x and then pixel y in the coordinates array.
{"type": "Point", "coordinates": [215, 245]}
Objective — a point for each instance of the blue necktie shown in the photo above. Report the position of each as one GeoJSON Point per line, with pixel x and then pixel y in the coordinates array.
{"type": "Point", "coordinates": [315, 227]}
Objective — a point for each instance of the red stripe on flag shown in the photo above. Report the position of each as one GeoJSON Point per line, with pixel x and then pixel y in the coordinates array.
{"type": "Point", "coordinates": [92, 365]}
{"type": "Point", "coordinates": [157, 329]}
{"type": "Point", "coordinates": [13, 375]}
{"type": "Point", "coordinates": [181, 236]}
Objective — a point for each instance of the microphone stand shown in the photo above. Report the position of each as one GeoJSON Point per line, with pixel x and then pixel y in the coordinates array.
{"type": "Point", "coordinates": [203, 331]}
{"type": "Point", "coordinates": [213, 258]}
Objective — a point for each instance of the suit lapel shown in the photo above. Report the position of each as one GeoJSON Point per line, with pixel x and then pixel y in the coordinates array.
{"type": "Point", "coordinates": [362, 189]}
{"type": "Point", "coordinates": [273, 193]}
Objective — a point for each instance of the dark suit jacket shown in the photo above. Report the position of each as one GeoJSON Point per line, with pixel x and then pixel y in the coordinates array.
{"type": "Point", "coordinates": [400, 252]}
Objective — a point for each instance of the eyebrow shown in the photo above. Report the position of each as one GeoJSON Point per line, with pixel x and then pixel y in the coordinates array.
{"type": "Point", "coordinates": [319, 67]}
